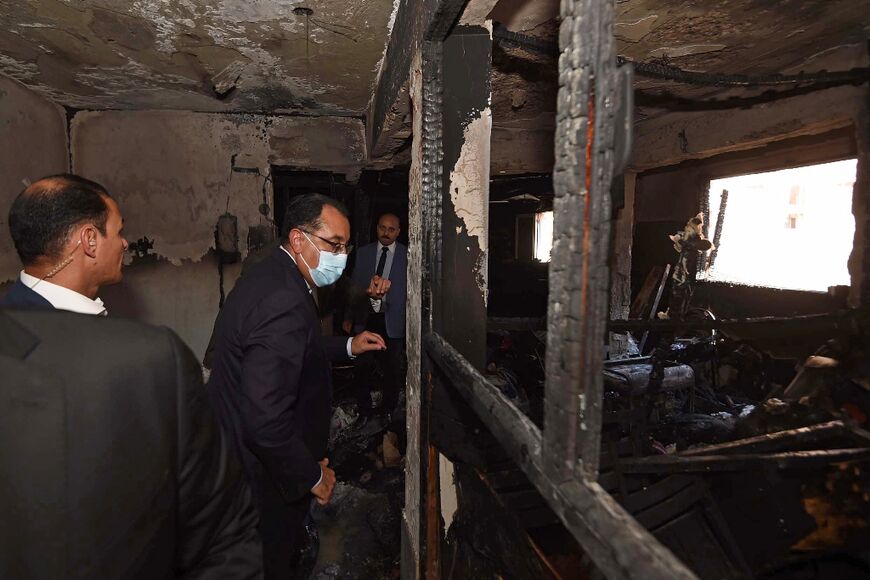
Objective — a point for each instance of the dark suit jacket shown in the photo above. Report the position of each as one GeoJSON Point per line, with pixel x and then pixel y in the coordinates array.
{"type": "Point", "coordinates": [394, 305]}
{"type": "Point", "coordinates": [21, 296]}
{"type": "Point", "coordinates": [271, 377]}
{"type": "Point", "coordinates": [112, 464]}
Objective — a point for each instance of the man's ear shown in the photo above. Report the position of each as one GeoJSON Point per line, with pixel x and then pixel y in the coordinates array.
{"type": "Point", "coordinates": [295, 239]}
{"type": "Point", "coordinates": [89, 240]}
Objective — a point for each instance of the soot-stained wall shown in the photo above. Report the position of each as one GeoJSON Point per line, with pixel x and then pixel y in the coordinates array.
{"type": "Point", "coordinates": [33, 142]}
{"type": "Point", "coordinates": [171, 173]}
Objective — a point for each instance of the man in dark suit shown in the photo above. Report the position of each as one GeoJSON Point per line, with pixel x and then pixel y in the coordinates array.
{"type": "Point", "coordinates": [271, 377]}
{"type": "Point", "coordinates": [381, 272]}
{"type": "Point", "coordinates": [112, 464]}
{"type": "Point", "coordinates": [68, 233]}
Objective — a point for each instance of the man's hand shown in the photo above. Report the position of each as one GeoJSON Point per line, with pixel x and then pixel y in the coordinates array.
{"type": "Point", "coordinates": [366, 341]}
{"type": "Point", "coordinates": [378, 288]}
{"type": "Point", "coordinates": [347, 326]}
{"type": "Point", "coordinates": [323, 490]}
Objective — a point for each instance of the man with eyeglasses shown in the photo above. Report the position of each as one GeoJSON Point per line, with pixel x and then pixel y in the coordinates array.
{"type": "Point", "coordinates": [271, 378]}
{"type": "Point", "coordinates": [380, 274]}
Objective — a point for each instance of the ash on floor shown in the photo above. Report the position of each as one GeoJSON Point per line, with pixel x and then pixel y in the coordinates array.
{"type": "Point", "coordinates": [360, 529]}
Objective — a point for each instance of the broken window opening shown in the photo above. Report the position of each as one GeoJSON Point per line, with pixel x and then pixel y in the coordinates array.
{"type": "Point", "coordinates": [791, 229]}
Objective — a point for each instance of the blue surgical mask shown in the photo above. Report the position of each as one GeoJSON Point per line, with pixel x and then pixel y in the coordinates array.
{"type": "Point", "coordinates": [329, 267]}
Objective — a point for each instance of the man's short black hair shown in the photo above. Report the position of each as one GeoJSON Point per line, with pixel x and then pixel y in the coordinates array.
{"type": "Point", "coordinates": [304, 211]}
{"type": "Point", "coordinates": [45, 213]}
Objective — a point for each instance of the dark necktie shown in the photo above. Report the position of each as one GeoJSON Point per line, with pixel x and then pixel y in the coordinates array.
{"type": "Point", "coordinates": [382, 262]}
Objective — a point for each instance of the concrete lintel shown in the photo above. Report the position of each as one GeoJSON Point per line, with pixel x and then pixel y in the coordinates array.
{"type": "Point", "coordinates": [680, 137]}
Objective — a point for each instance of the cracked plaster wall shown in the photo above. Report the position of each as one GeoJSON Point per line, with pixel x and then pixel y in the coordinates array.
{"type": "Point", "coordinates": [171, 174]}
{"type": "Point", "coordinates": [33, 141]}
{"type": "Point", "coordinates": [171, 171]}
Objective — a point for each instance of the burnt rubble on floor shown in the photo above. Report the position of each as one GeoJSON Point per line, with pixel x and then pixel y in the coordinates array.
{"type": "Point", "coordinates": [359, 530]}
{"type": "Point", "coordinates": [742, 445]}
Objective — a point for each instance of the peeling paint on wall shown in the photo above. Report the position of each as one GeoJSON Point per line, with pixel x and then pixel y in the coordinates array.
{"type": "Point", "coordinates": [447, 485]}
{"type": "Point", "coordinates": [469, 185]}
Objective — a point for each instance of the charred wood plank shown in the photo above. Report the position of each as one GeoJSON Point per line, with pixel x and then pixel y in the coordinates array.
{"type": "Point", "coordinates": [614, 540]}
{"type": "Point", "coordinates": [517, 433]}
{"type": "Point", "coordinates": [791, 438]}
{"type": "Point", "coordinates": [740, 462]}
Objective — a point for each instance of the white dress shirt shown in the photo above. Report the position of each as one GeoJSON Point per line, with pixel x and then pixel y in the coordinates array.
{"type": "Point", "coordinates": [377, 303]}
{"type": "Point", "coordinates": [63, 298]}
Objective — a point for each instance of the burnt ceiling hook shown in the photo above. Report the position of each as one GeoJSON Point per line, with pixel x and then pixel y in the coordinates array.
{"type": "Point", "coordinates": [307, 12]}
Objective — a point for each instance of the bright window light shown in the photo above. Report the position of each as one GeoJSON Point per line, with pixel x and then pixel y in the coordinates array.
{"type": "Point", "coordinates": [785, 229]}
{"type": "Point", "coordinates": [543, 235]}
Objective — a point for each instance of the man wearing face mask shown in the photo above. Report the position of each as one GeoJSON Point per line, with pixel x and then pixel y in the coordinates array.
{"type": "Point", "coordinates": [271, 380]}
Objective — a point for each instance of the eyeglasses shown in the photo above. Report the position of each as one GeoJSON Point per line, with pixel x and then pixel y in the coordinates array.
{"type": "Point", "coordinates": [337, 248]}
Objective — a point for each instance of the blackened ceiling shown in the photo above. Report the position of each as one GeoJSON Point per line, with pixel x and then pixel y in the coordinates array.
{"type": "Point", "coordinates": [310, 56]}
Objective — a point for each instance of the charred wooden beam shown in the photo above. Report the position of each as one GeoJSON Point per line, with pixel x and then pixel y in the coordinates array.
{"type": "Point", "coordinates": [432, 170]}
{"type": "Point", "coordinates": [579, 274]}
{"type": "Point", "coordinates": [467, 122]}
{"type": "Point", "coordinates": [446, 16]}
{"type": "Point", "coordinates": [616, 542]}
{"type": "Point", "coordinates": [775, 441]}
{"type": "Point", "coordinates": [743, 461]}
{"type": "Point", "coordinates": [517, 433]}
{"type": "Point", "coordinates": [847, 321]}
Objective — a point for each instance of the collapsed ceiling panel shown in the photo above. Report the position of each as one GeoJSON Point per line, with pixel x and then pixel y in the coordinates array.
{"type": "Point", "coordinates": [310, 56]}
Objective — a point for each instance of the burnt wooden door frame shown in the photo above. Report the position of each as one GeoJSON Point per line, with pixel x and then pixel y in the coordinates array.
{"type": "Point", "coordinates": [561, 461]}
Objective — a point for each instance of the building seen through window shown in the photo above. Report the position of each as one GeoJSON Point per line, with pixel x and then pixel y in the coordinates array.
{"type": "Point", "coordinates": [791, 228]}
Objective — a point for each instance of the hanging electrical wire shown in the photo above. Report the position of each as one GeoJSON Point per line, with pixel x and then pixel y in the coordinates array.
{"type": "Point", "coordinates": [672, 73]}
{"type": "Point", "coordinates": [666, 71]}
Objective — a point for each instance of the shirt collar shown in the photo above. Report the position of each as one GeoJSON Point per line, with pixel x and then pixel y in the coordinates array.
{"type": "Point", "coordinates": [391, 248]}
{"type": "Point", "coordinates": [297, 265]}
{"type": "Point", "coordinates": [63, 298]}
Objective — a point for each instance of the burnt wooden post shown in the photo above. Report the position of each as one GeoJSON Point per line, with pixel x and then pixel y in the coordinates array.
{"type": "Point", "coordinates": [459, 301]}
{"type": "Point", "coordinates": [453, 321]}
{"type": "Point", "coordinates": [859, 261]}
{"type": "Point", "coordinates": [411, 533]}
{"type": "Point", "coordinates": [620, 278]}
{"type": "Point", "coordinates": [581, 236]}
{"type": "Point", "coordinates": [465, 217]}
{"type": "Point", "coordinates": [431, 191]}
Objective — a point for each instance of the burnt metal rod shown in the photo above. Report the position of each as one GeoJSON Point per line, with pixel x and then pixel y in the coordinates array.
{"type": "Point", "coordinates": [744, 461]}
{"type": "Point", "coordinates": [655, 305]}
{"type": "Point", "coordinates": [720, 220]}
{"type": "Point", "coordinates": [613, 539]}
